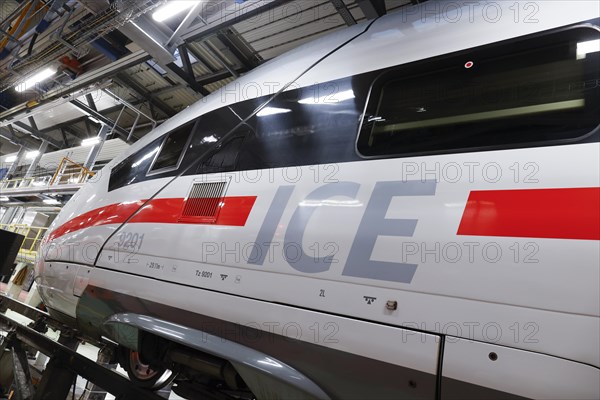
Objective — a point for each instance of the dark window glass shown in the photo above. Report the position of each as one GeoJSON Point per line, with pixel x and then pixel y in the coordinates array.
{"type": "Point", "coordinates": [224, 158]}
{"type": "Point", "coordinates": [209, 150]}
{"type": "Point", "coordinates": [172, 149]}
{"type": "Point", "coordinates": [311, 125]}
{"type": "Point", "coordinates": [133, 168]}
{"type": "Point", "coordinates": [535, 90]}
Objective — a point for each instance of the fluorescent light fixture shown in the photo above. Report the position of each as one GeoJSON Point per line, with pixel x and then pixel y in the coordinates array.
{"type": "Point", "coordinates": [591, 46]}
{"type": "Point", "coordinates": [90, 141]}
{"type": "Point", "coordinates": [330, 98]}
{"type": "Point", "coordinates": [3, 198]}
{"type": "Point", "coordinates": [172, 8]}
{"type": "Point", "coordinates": [30, 155]}
{"type": "Point", "coordinates": [51, 201]}
{"type": "Point", "coordinates": [94, 119]}
{"type": "Point", "coordinates": [10, 159]}
{"type": "Point", "coordinates": [272, 111]}
{"type": "Point", "coordinates": [35, 79]}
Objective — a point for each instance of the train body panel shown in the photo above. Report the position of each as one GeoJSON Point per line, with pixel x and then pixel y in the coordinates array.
{"type": "Point", "coordinates": [298, 209]}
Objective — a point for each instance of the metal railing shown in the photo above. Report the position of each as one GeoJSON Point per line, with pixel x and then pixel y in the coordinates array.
{"type": "Point", "coordinates": [69, 171]}
{"type": "Point", "coordinates": [24, 182]}
{"type": "Point", "coordinates": [33, 238]}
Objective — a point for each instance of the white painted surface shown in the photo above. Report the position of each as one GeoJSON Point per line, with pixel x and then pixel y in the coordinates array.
{"type": "Point", "coordinates": [523, 373]}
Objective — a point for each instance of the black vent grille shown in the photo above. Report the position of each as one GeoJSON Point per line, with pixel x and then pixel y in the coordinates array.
{"type": "Point", "coordinates": [203, 201]}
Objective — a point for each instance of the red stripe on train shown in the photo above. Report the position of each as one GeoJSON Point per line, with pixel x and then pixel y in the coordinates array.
{"type": "Point", "coordinates": [536, 213]}
{"type": "Point", "coordinates": [111, 214]}
{"type": "Point", "coordinates": [234, 211]}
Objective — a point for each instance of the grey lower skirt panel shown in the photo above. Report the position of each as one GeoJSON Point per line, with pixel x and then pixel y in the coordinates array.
{"type": "Point", "coordinates": [340, 374]}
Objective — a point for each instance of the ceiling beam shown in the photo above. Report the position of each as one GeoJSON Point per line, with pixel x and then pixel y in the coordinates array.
{"type": "Point", "coordinates": [240, 48]}
{"type": "Point", "coordinates": [211, 49]}
{"type": "Point", "coordinates": [191, 81]}
{"type": "Point", "coordinates": [72, 130]}
{"type": "Point", "coordinates": [90, 101]}
{"type": "Point", "coordinates": [95, 114]}
{"type": "Point", "coordinates": [64, 136]}
{"type": "Point", "coordinates": [217, 76]}
{"type": "Point", "coordinates": [8, 133]}
{"type": "Point", "coordinates": [346, 15]}
{"type": "Point", "coordinates": [175, 39]}
{"type": "Point", "coordinates": [201, 59]}
{"type": "Point", "coordinates": [125, 81]}
{"type": "Point", "coordinates": [372, 8]}
{"type": "Point", "coordinates": [239, 13]}
{"type": "Point", "coordinates": [69, 126]}
{"type": "Point", "coordinates": [33, 131]}
{"type": "Point", "coordinates": [187, 64]}
{"type": "Point", "coordinates": [84, 81]}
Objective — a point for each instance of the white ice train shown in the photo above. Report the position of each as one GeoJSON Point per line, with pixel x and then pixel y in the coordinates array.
{"type": "Point", "coordinates": [408, 208]}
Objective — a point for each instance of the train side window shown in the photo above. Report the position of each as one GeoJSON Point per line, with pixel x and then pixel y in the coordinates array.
{"type": "Point", "coordinates": [223, 159]}
{"type": "Point", "coordinates": [526, 92]}
{"type": "Point", "coordinates": [133, 168]}
{"type": "Point", "coordinates": [172, 149]}
{"type": "Point", "coordinates": [306, 126]}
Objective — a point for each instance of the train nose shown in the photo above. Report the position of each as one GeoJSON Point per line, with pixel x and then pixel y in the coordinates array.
{"type": "Point", "coordinates": [46, 251]}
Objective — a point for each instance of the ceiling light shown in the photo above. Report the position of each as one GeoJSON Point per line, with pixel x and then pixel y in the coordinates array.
{"type": "Point", "coordinates": [51, 201]}
{"type": "Point", "coordinates": [330, 98]}
{"type": "Point", "coordinates": [172, 8]}
{"type": "Point", "coordinates": [4, 198]}
{"type": "Point", "coordinates": [35, 79]}
{"type": "Point", "coordinates": [272, 111]}
{"type": "Point", "coordinates": [94, 119]}
{"type": "Point", "coordinates": [90, 141]}
{"type": "Point", "coordinates": [10, 159]}
{"type": "Point", "coordinates": [31, 154]}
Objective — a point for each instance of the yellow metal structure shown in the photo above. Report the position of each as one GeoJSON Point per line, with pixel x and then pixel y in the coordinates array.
{"type": "Point", "coordinates": [69, 171]}
{"type": "Point", "coordinates": [23, 20]}
{"type": "Point", "coordinates": [22, 182]}
{"type": "Point", "coordinates": [33, 237]}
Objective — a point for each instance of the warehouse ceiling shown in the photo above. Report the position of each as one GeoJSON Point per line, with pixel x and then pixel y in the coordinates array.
{"type": "Point", "coordinates": [112, 62]}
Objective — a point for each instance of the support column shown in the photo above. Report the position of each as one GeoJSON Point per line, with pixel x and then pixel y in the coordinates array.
{"type": "Point", "coordinates": [15, 164]}
{"type": "Point", "coordinates": [8, 216]}
{"type": "Point", "coordinates": [93, 391]}
{"type": "Point", "coordinates": [40, 361]}
{"type": "Point", "coordinates": [36, 160]}
{"type": "Point", "coordinates": [33, 298]}
{"type": "Point", "coordinates": [93, 154]}
{"type": "Point", "coordinates": [13, 289]}
{"type": "Point", "coordinates": [68, 340]}
{"type": "Point", "coordinates": [56, 381]}
{"type": "Point", "coordinates": [22, 375]}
